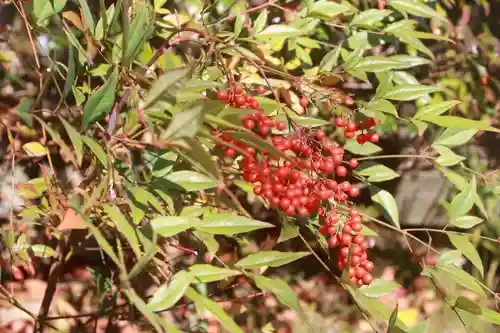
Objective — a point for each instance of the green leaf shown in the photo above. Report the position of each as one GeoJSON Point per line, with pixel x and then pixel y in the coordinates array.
{"type": "Point", "coordinates": [410, 61]}
{"type": "Point", "coordinates": [466, 222]}
{"type": "Point", "coordinates": [100, 102]}
{"type": "Point", "coordinates": [288, 231]}
{"type": "Point", "coordinates": [164, 84]}
{"type": "Point", "coordinates": [415, 43]}
{"type": "Point", "coordinates": [490, 316]}
{"type": "Point", "coordinates": [134, 299]}
{"type": "Point", "coordinates": [330, 60]}
{"type": "Point", "coordinates": [458, 122]}
{"type": "Point", "coordinates": [420, 327]}
{"type": "Point", "coordinates": [260, 22]}
{"type": "Point", "coordinates": [377, 64]}
{"type": "Point", "coordinates": [461, 277]}
{"type": "Point", "coordinates": [463, 244]}
{"type": "Point", "coordinates": [204, 303]}
{"type": "Point", "coordinates": [97, 150]}
{"type": "Point", "coordinates": [87, 15]}
{"type": "Point", "coordinates": [42, 9]}
{"type": "Point", "coordinates": [446, 156]}
{"type": "Point", "coordinates": [379, 288]}
{"type": "Point", "coordinates": [453, 137]}
{"type": "Point", "coordinates": [371, 306]}
{"type": "Point", "coordinates": [144, 197]}
{"type": "Point", "coordinates": [280, 289]}
{"type": "Point", "coordinates": [279, 30]}
{"type": "Point", "coordinates": [238, 25]}
{"type": "Point", "coordinates": [57, 138]}
{"type": "Point", "coordinates": [168, 294]}
{"type": "Point", "coordinates": [42, 251]}
{"type": "Point", "coordinates": [435, 109]}
{"type": "Point", "coordinates": [269, 258]}
{"type": "Point", "coordinates": [99, 28]}
{"type": "Point", "coordinates": [34, 149]}
{"type": "Point", "coordinates": [387, 203]}
{"type": "Point", "coordinates": [103, 243]}
{"type": "Point", "coordinates": [370, 17]}
{"type": "Point", "coordinates": [252, 140]}
{"type": "Point", "coordinates": [208, 273]}
{"type": "Point", "coordinates": [198, 156]}
{"type": "Point", "coordinates": [416, 8]}
{"type": "Point", "coordinates": [391, 327]}
{"type": "Point", "coordinates": [468, 305]}
{"type": "Point", "coordinates": [354, 58]}
{"type": "Point", "coordinates": [449, 258]}
{"type": "Point", "coordinates": [378, 173]}
{"type": "Point", "coordinates": [168, 226]}
{"type": "Point", "coordinates": [141, 28]}
{"type": "Point", "coordinates": [76, 140]}
{"type": "Point", "coordinates": [368, 148]}
{"type": "Point", "coordinates": [126, 228]}
{"type": "Point", "coordinates": [368, 232]}
{"type": "Point", "coordinates": [409, 92]}
{"type": "Point", "coordinates": [329, 9]}
{"type": "Point", "coordinates": [184, 124]}
{"type": "Point", "coordinates": [230, 224]}
{"type": "Point", "coordinates": [401, 26]}
{"type": "Point", "coordinates": [191, 180]}
{"type": "Point", "coordinates": [71, 74]}
{"type": "Point", "coordinates": [464, 201]}
{"type": "Point", "coordinates": [382, 105]}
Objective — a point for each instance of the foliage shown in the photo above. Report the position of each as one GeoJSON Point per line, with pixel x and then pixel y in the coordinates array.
{"type": "Point", "coordinates": [194, 124]}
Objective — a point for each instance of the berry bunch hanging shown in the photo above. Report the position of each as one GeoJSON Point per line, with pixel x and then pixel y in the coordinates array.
{"type": "Point", "coordinates": [307, 178]}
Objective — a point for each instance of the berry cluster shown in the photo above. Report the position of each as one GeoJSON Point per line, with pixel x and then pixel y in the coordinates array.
{"type": "Point", "coordinates": [305, 178]}
{"type": "Point", "coordinates": [348, 235]}
{"type": "Point", "coordinates": [351, 127]}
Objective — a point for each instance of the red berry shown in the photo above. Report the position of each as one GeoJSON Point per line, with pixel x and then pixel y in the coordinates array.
{"type": "Point", "coordinates": [340, 122]}
{"type": "Point", "coordinates": [368, 265]}
{"type": "Point", "coordinates": [356, 227]}
{"type": "Point", "coordinates": [374, 138]}
{"type": "Point", "coordinates": [281, 126]}
{"type": "Point", "coordinates": [349, 135]}
{"type": "Point", "coordinates": [361, 138]}
{"type": "Point", "coordinates": [351, 127]}
{"type": "Point", "coordinates": [367, 279]}
{"type": "Point", "coordinates": [332, 241]}
{"type": "Point", "coordinates": [254, 105]}
{"type": "Point", "coordinates": [353, 163]}
{"type": "Point", "coordinates": [230, 152]}
{"type": "Point", "coordinates": [369, 123]}
{"type": "Point", "coordinates": [359, 239]}
{"type": "Point", "coordinates": [320, 134]}
{"type": "Point", "coordinates": [304, 101]}
{"type": "Point", "coordinates": [260, 90]}
{"type": "Point", "coordinates": [238, 90]}
{"type": "Point", "coordinates": [257, 190]}
{"type": "Point", "coordinates": [341, 171]}
{"type": "Point", "coordinates": [354, 192]}
{"type": "Point", "coordinates": [346, 239]}
{"type": "Point", "coordinates": [353, 213]}
{"type": "Point", "coordinates": [239, 100]}
{"type": "Point", "coordinates": [222, 95]}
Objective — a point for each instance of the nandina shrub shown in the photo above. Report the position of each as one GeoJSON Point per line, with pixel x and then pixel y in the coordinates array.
{"type": "Point", "coordinates": [167, 112]}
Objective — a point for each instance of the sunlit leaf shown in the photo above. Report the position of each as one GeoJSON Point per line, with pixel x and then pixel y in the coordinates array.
{"type": "Point", "coordinates": [229, 224]}
{"type": "Point", "coordinates": [269, 258]}
{"type": "Point", "coordinates": [207, 304]}
{"type": "Point", "coordinates": [463, 244]}
{"type": "Point", "coordinates": [170, 293]}
{"type": "Point", "coordinates": [168, 226]}
{"type": "Point", "coordinates": [387, 203]}
{"type": "Point", "coordinates": [208, 273]}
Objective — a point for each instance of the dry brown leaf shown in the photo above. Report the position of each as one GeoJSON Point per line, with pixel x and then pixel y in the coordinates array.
{"type": "Point", "coordinates": [74, 18]}
{"type": "Point", "coordinates": [72, 220]}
